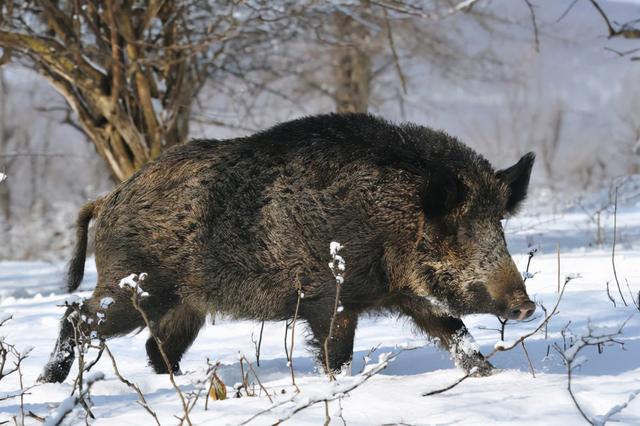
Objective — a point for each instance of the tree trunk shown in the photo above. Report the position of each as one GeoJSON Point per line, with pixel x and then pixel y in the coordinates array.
{"type": "Point", "coordinates": [5, 192]}
{"type": "Point", "coordinates": [352, 66]}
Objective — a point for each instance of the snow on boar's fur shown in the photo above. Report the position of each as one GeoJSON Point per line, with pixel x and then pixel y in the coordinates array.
{"type": "Point", "coordinates": [235, 226]}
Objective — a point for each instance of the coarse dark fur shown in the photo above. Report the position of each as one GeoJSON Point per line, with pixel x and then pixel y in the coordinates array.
{"type": "Point", "coordinates": [235, 226]}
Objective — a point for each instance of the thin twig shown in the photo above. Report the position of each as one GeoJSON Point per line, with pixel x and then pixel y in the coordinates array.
{"type": "Point", "coordinates": [327, 417]}
{"type": "Point", "coordinates": [558, 250]}
{"type": "Point", "coordinates": [504, 321]}
{"type": "Point", "coordinates": [394, 52]}
{"type": "Point", "coordinates": [141, 399]}
{"type": "Point", "coordinates": [612, 32]}
{"type": "Point", "coordinates": [339, 390]}
{"type": "Point", "coordinates": [293, 336]}
{"type": "Point", "coordinates": [257, 378]}
{"type": "Point", "coordinates": [595, 337]}
{"type": "Point", "coordinates": [613, 247]}
{"type": "Point", "coordinates": [64, 409]}
{"type": "Point", "coordinates": [534, 23]}
{"type": "Point", "coordinates": [135, 294]}
{"type": "Point", "coordinates": [566, 12]}
{"type": "Point", "coordinates": [451, 386]}
{"type": "Point", "coordinates": [337, 265]}
{"type": "Point", "coordinates": [82, 343]}
{"type": "Point", "coordinates": [610, 297]}
{"type": "Point", "coordinates": [526, 354]}
{"type": "Point", "coordinates": [258, 344]}
{"type": "Point", "coordinates": [633, 299]}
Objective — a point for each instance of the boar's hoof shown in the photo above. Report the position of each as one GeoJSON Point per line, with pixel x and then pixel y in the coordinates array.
{"type": "Point", "coordinates": [484, 369]}
{"type": "Point", "coordinates": [176, 370]}
{"type": "Point", "coordinates": [478, 364]}
{"type": "Point", "coordinates": [54, 373]}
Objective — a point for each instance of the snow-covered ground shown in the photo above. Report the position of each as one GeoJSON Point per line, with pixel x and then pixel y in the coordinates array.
{"type": "Point", "coordinates": [31, 292]}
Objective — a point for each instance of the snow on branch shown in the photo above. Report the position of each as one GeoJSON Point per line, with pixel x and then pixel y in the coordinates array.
{"type": "Point", "coordinates": [9, 353]}
{"type": "Point", "coordinates": [330, 391]}
{"type": "Point", "coordinates": [596, 336]}
{"type": "Point", "coordinates": [71, 402]}
{"type": "Point", "coordinates": [133, 281]}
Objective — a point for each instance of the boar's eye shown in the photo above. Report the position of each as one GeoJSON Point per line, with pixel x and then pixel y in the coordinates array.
{"type": "Point", "coordinates": [517, 179]}
{"type": "Point", "coordinates": [441, 193]}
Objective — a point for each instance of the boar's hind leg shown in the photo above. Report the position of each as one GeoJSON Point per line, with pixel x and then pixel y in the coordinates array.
{"type": "Point", "coordinates": [117, 319]}
{"type": "Point", "coordinates": [177, 330]}
{"type": "Point", "coordinates": [341, 344]}
{"type": "Point", "coordinates": [57, 369]}
{"type": "Point", "coordinates": [453, 336]}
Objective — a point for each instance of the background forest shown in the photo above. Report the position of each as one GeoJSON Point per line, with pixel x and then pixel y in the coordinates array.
{"type": "Point", "coordinates": [89, 93]}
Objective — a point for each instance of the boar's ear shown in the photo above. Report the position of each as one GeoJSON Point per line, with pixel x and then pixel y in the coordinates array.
{"type": "Point", "coordinates": [441, 193]}
{"type": "Point", "coordinates": [517, 179]}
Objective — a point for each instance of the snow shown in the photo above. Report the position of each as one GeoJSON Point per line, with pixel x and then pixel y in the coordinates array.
{"type": "Point", "coordinates": [133, 281]}
{"type": "Point", "coordinates": [334, 248]}
{"type": "Point", "coordinates": [605, 384]}
{"type": "Point", "coordinates": [105, 302]}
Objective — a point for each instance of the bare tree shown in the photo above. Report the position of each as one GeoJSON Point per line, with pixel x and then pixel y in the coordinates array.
{"type": "Point", "coordinates": [375, 36]}
{"type": "Point", "coordinates": [129, 70]}
{"type": "Point", "coordinates": [344, 55]}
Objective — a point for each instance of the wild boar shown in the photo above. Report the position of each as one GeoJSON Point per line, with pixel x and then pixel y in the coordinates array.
{"type": "Point", "coordinates": [237, 226]}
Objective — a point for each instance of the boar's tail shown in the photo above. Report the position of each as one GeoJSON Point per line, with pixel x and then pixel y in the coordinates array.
{"type": "Point", "coordinates": [75, 270]}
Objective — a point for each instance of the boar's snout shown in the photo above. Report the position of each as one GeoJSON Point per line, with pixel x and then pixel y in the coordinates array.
{"type": "Point", "coordinates": [522, 311]}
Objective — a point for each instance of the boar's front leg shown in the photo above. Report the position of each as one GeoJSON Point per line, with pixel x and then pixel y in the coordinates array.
{"type": "Point", "coordinates": [177, 330]}
{"type": "Point", "coordinates": [340, 345]}
{"type": "Point", "coordinates": [452, 335]}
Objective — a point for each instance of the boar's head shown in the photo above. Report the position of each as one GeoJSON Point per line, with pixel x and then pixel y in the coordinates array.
{"type": "Point", "coordinates": [463, 264]}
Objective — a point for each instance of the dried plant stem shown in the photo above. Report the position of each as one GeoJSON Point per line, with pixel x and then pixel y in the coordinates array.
{"type": "Point", "coordinates": [526, 354]}
{"type": "Point", "coordinates": [330, 335]}
{"type": "Point", "coordinates": [451, 386]}
{"type": "Point", "coordinates": [327, 417]}
{"type": "Point", "coordinates": [81, 345]}
{"type": "Point", "coordinates": [293, 336]}
{"type": "Point", "coordinates": [613, 247]}
{"type": "Point", "coordinates": [245, 380]}
{"type": "Point", "coordinates": [214, 378]}
{"type": "Point", "coordinates": [633, 299]}
{"type": "Point", "coordinates": [394, 52]}
{"type": "Point", "coordinates": [141, 399]}
{"type": "Point", "coordinates": [504, 321]}
{"type": "Point", "coordinates": [316, 399]}
{"type": "Point", "coordinates": [535, 25]}
{"type": "Point", "coordinates": [337, 265]}
{"type": "Point", "coordinates": [19, 368]}
{"type": "Point", "coordinates": [57, 417]}
{"type": "Point", "coordinates": [572, 361]}
{"type": "Point", "coordinates": [185, 406]}
{"type": "Point", "coordinates": [573, 397]}
{"type": "Point", "coordinates": [609, 295]}
{"type": "Point", "coordinates": [503, 326]}
{"type": "Point", "coordinates": [257, 378]}
{"type": "Point", "coordinates": [259, 344]}
{"type": "Point", "coordinates": [558, 250]}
